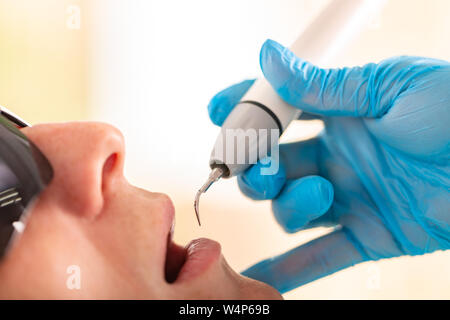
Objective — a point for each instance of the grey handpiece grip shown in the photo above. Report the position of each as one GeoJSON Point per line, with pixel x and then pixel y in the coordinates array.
{"type": "Point", "coordinates": [252, 129]}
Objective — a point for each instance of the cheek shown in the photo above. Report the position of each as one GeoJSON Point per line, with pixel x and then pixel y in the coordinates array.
{"type": "Point", "coordinates": [130, 237]}
{"type": "Point", "coordinates": [111, 257]}
{"type": "Point", "coordinates": [40, 262]}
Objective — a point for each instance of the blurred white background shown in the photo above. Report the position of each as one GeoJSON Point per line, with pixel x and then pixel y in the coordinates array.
{"type": "Point", "coordinates": [150, 67]}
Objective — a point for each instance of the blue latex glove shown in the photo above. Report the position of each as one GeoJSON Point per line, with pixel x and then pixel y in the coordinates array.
{"type": "Point", "coordinates": [380, 171]}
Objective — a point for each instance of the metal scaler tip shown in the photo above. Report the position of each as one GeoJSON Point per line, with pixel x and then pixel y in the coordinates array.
{"type": "Point", "coordinates": [215, 175]}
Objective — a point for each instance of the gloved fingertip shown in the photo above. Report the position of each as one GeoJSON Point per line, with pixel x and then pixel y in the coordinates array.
{"type": "Point", "coordinates": [224, 102]}
{"type": "Point", "coordinates": [266, 271]}
{"type": "Point", "coordinates": [258, 186]}
{"type": "Point", "coordinates": [279, 66]}
{"type": "Point", "coordinates": [302, 201]}
{"type": "Point", "coordinates": [325, 193]}
{"type": "Point", "coordinates": [216, 112]}
{"type": "Point", "coordinates": [272, 59]}
{"type": "Point", "coordinates": [270, 44]}
{"type": "Point", "coordinates": [257, 271]}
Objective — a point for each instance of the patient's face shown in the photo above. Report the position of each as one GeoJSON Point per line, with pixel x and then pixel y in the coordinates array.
{"type": "Point", "coordinates": [91, 225]}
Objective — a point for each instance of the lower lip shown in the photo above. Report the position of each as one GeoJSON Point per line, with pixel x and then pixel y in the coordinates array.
{"type": "Point", "coordinates": [200, 255]}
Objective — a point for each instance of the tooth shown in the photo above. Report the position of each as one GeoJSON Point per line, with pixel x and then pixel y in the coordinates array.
{"type": "Point", "coordinates": [172, 229]}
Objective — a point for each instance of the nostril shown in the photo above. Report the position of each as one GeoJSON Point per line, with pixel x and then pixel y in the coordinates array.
{"type": "Point", "coordinates": [108, 167]}
{"type": "Point", "coordinates": [110, 163]}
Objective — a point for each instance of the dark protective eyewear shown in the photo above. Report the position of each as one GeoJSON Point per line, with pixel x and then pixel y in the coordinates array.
{"type": "Point", "coordinates": [24, 173]}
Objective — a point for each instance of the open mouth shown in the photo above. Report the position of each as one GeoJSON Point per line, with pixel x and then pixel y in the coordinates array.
{"type": "Point", "coordinates": [175, 258]}
{"type": "Point", "coordinates": [183, 263]}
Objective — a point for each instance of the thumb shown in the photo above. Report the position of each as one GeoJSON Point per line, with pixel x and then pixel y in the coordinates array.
{"type": "Point", "coordinates": [328, 92]}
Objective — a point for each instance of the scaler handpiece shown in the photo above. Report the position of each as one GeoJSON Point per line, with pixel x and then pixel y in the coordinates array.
{"type": "Point", "coordinates": [260, 118]}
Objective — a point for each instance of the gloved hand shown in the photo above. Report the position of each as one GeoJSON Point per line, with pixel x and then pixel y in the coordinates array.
{"type": "Point", "coordinates": [380, 171]}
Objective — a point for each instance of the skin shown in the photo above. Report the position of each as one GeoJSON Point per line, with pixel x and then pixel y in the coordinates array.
{"type": "Point", "coordinates": [90, 216]}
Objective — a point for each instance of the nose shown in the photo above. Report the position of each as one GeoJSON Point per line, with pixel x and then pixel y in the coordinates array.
{"type": "Point", "coordinates": [87, 159]}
